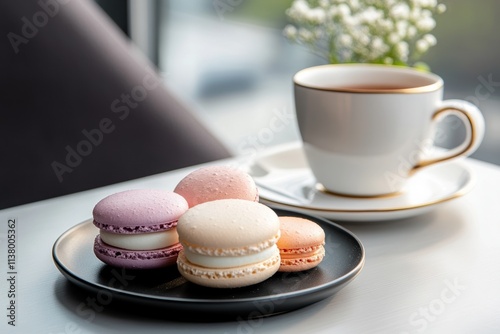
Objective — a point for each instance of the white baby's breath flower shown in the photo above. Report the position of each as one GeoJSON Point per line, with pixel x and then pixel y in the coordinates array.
{"type": "Point", "coordinates": [441, 8]}
{"type": "Point", "coordinates": [332, 13]}
{"type": "Point", "coordinates": [360, 37]}
{"type": "Point", "coordinates": [324, 3]}
{"type": "Point", "coordinates": [345, 40]}
{"type": "Point", "coordinates": [377, 48]}
{"type": "Point", "coordinates": [427, 3]}
{"type": "Point", "coordinates": [386, 25]}
{"type": "Point", "coordinates": [354, 4]}
{"type": "Point", "coordinates": [299, 9]}
{"type": "Point", "coordinates": [430, 39]}
{"type": "Point", "coordinates": [400, 11]}
{"type": "Point", "coordinates": [425, 13]}
{"type": "Point", "coordinates": [419, 3]}
{"type": "Point", "coordinates": [290, 32]}
{"type": "Point", "coordinates": [422, 45]}
{"type": "Point", "coordinates": [378, 43]}
{"type": "Point", "coordinates": [305, 35]}
{"type": "Point", "coordinates": [352, 21]}
{"type": "Point", "coordinates": [411, 32]}
{"type": "Point", "coordinates": [379, 31]}
{"type": "Point", "coordinates": [316, 16]}
{"type": "Point", "coordinates": [370, 15]}
{"type": "Point", "coordinates": [402, 27]}
{"type": "Point", "coordinates": [426, 24]}
{"type": "Point", "coordinates": [300, 6]}
{"type": "Point", "coordinates": [415, 14]}
{"type": "Point", "coordinates": [402, 50]}
{"type": "Point", "coordinates": [344, 10]}
{"type": "Point", "coordinates": [394, 38]}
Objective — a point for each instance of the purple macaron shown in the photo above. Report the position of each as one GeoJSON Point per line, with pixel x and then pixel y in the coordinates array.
{"type": "Point", "coordinates": [138, 228]}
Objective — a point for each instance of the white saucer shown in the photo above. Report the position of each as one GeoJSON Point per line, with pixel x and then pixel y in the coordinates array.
{"type": "Point", "coordinates": [285, 181]}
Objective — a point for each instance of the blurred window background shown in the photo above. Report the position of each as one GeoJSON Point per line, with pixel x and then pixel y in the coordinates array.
{"type": "Point", "coordinates": [228, 60]}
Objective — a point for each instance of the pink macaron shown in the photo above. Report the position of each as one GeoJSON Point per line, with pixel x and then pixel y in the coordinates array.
{"type": "Point", "coordinates": [138, 228]}
{"type": "Point", "coordinates": [217, 182]}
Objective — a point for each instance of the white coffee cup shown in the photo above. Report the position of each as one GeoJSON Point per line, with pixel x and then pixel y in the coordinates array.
{"type": "Point", "coordinates": [367, 128]}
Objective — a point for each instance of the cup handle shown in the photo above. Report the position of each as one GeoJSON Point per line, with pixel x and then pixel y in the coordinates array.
{"type": "Point", "coordinates": [473, 120]}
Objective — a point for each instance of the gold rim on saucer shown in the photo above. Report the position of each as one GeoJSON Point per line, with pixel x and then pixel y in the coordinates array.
{"type": "Point", "coordinates": [460, 192]}
{"type": "Point", "coordinates": [320, 187]}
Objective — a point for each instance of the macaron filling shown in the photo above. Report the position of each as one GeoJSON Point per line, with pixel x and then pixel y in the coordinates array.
{"type": "Point", "coordinates": [144, 241]}
{"type": "Point", "coordinates": [199, 274]}
{"type": "Point", "coordinates": [229, 261]}
{"type": "Point", "coordinates": [302, 253]}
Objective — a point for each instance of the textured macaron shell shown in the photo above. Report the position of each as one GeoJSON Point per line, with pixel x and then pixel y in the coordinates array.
{"type": "Point", "coordinates": [301, 244]}
{"type": "Point", "coordinates": [139, 211]}
{"type": "Point", "coordinates": [133, 259]}
{"type": "Point", "coordinates": [228, 227]}
{"type": "Point", "coordinates": [228, 277]}
{"type": "Point", "coordinates": [217, 182]}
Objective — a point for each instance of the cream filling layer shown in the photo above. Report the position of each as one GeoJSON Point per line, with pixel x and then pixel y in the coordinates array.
{"type": "Point", "coordinates": [230, 261]}
{"type": "Point", "coordinates": [293, 253]}
{"type": "Point", "coordinates": [302, 254]}
{"type": "Point", "coordinates": [141, 241]}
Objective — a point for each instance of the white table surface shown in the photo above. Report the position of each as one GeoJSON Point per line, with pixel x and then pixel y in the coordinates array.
{"type": "Point", "coordinates": [436, 273]}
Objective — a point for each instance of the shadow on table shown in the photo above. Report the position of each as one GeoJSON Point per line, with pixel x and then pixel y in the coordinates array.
{"type": "Point", "coordinates": [410, 234]}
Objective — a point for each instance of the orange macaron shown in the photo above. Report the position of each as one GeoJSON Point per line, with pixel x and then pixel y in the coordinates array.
{"type": "Point", "coordinates": [300, 244]}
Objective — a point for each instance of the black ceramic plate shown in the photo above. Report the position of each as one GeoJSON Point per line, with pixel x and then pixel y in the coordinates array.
{"type": "Point", "coordinates": [73, 255]}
